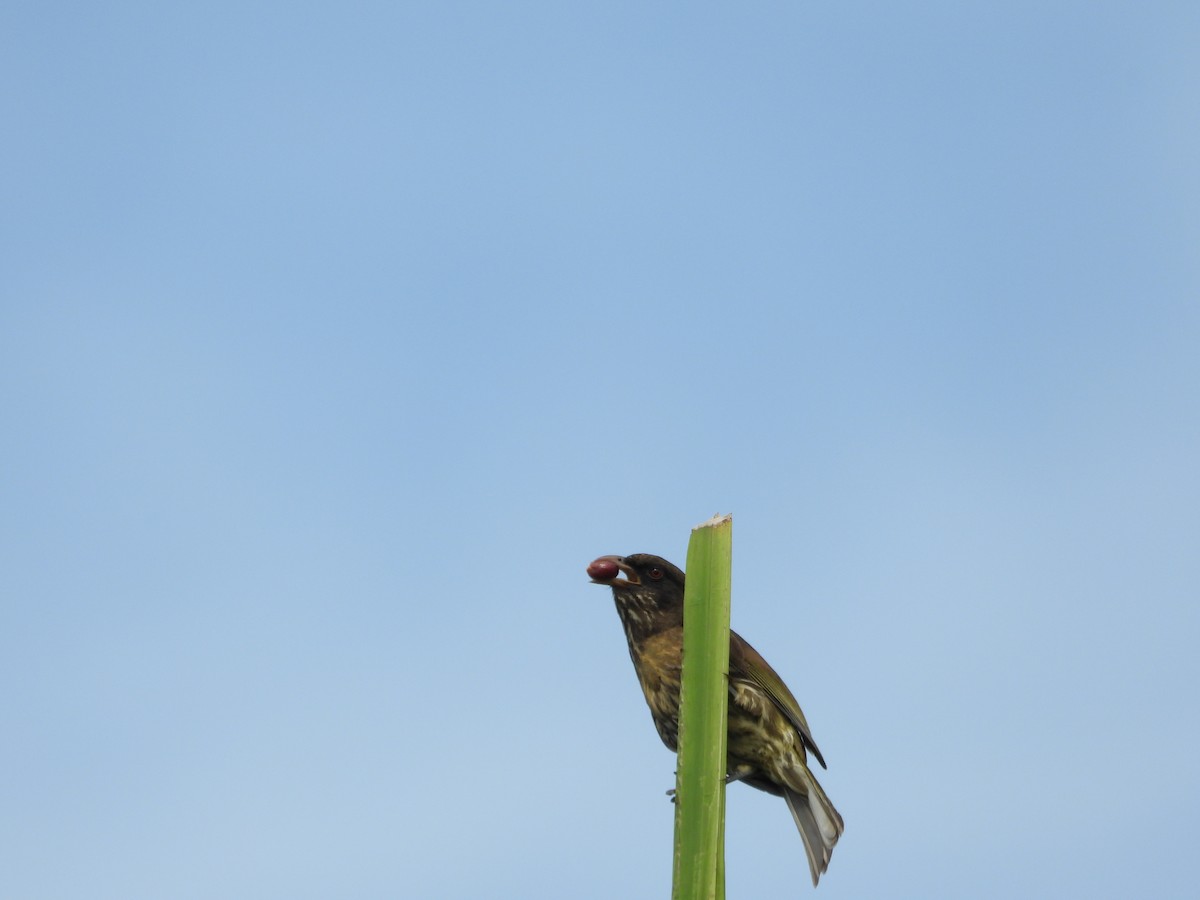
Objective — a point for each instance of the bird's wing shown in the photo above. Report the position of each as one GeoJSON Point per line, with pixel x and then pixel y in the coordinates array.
{"type": "Point", "coordinates": [747, 661]}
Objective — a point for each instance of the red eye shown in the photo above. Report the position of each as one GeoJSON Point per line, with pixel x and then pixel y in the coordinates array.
{"type": "Point", "coordinates": [656, 574]}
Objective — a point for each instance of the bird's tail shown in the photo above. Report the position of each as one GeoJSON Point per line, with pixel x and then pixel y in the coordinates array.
{"type": "Point", "coordinates": [819, 823]}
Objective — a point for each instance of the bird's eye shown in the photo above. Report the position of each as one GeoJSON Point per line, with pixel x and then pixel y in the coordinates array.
{"type": "Point", "coordinates": [656, 573]}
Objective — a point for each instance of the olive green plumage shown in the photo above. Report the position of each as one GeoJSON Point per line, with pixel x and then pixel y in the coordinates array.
{"type": "Point", "coordinates": [769, 738]}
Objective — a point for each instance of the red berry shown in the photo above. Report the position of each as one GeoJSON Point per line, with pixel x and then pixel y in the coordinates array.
{"type": "Point", "coordinates": [603, 570]}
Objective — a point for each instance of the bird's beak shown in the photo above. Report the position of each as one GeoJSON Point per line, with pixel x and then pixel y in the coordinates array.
{"type": "Point", "coordinates": [607, 570]}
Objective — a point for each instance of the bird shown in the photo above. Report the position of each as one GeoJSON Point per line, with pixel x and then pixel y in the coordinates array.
{"type": "Point", "coordinates": [768, 738]}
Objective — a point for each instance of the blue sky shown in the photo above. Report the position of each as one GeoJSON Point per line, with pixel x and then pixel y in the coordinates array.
{"type": "Point", "coordinates": [335, 341]}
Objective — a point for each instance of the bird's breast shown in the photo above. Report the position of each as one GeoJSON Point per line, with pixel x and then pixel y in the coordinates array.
{"type": "Point", "coordinates": [657, 661]}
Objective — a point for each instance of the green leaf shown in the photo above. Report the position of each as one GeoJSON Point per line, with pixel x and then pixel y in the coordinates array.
{"type": "Point", "coordinates": [699, 871]}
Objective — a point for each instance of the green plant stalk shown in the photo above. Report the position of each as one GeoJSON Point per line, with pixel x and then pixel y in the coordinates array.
{"type": "Point", "coordinates": [699, 870]}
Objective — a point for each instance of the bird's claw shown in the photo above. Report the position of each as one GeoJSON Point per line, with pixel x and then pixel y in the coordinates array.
{"type": "Point", "coordinates": [730, 778]}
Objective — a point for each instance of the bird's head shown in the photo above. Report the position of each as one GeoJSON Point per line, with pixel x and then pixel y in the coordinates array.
{"type": "Point", "coordinates": [648, 590]}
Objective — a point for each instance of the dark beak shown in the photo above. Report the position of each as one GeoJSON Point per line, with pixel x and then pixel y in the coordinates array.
{"type": "Point", "coordinates": [607, 569]}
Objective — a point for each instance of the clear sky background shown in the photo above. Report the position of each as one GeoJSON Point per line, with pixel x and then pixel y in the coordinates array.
{"type": "Point", "coordinates": [336, 340]}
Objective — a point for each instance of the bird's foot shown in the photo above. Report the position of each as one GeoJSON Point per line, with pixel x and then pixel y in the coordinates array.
{"type": "Point", "coordinates": [736, 775]}
{"type": "Point", "coordinates": [739, 773]}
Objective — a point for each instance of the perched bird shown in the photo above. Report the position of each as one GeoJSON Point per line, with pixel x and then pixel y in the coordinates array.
{"type": "Point", "coordinates": [769, 740]}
